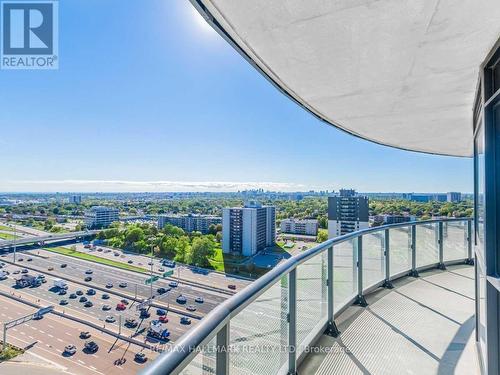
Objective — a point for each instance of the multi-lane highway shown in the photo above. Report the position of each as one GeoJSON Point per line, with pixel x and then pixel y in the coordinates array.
{"type": "Point", "coordinates": [46, 238]}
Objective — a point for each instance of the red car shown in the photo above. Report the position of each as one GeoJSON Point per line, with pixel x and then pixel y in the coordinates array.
{"type": "Point", "coordinates": [120, 306]}
{"type": "Point", "coordinates": [163, 319]}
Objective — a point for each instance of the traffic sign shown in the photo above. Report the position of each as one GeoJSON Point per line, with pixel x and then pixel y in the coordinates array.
{"type": "Point", "coordinates": [168, 273]}
{"type": "Point", "coordinates": [151, 280]}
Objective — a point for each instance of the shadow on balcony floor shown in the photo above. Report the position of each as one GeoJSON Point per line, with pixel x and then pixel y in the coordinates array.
{"type": "Point", "coordinates": [423, 326]}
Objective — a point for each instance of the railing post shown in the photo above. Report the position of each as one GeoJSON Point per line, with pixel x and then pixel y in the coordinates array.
{"type": "Point", "coordinates": [470, 259]}
{"type": "Point", "coordinates": [361, 301]}
{"type": "Point", "coordinates": [331, 329]}
{"type": "Point", "coordinates": [387, 253]}
{"type": "Point", "coordinates": [292, 322]}
{"type": "Point", "coordinates": [414, 271]}
{"type": "Point", "coordinates": [441, 265]}
{"type": "Point", "coordinates": [222, 353]}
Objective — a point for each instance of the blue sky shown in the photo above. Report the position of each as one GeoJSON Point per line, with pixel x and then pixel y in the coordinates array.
{"type": "Point", "coordinates": [148, 98]}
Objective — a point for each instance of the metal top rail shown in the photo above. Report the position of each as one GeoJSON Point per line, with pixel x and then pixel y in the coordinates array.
{"type": "Point", "coordinates": [185, 349]}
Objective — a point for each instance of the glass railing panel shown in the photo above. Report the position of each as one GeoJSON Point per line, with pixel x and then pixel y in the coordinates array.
{"type": "Point", "coordinates": [345, 279]}
{"type": "Point", "coordinates": [400, 245]}
{"type": "Point", "coordinates": [427, 244]}
{"type": "Point", "coordinates": [373, 258]}
{"type": "Point", "coordinates": [455, 244]}
{"type": "Point", "coordinates": [204, 362]}
{"type": "Point", "coordinates": [312, 304]}
{"type": "Point", "coordinates": [259, 334]}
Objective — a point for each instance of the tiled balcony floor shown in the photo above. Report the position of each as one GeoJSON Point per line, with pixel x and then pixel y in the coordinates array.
{"type": "Point", "coordinates": [423, 326]}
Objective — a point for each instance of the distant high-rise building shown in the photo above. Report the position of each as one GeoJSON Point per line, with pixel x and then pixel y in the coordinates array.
{"type": "Point", "coordinates": [307, 227]}
{"type": "Point", "coordinates": [248, 229]}
{"type": "Point", "coordinates": [100, 216]}
{"type": "Point", "coordinates": [75, 199]}
{"type": "Point", "coordinates": [190, 222]}
{"type": "Point", "coordinates": [453, 196]}
{"type": "Point", "coordinates": [347, 212]}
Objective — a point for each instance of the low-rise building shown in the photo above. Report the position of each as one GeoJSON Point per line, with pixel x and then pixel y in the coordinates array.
{"type": "Point", "coordinates": [307, 227]}
{"type": "Point", "coordinates": [189, 222]}
{"type": "Point", "coordinates": [101, 216]}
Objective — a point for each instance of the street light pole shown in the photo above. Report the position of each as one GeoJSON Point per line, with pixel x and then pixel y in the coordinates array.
{"type": "Point", "coordinates": [15, 237]}
{"type": "Point", "coordinates": [151, 261]}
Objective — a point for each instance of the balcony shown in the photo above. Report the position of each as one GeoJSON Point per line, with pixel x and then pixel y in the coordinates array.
{"type": "Point", "coordinates": [401, 294]}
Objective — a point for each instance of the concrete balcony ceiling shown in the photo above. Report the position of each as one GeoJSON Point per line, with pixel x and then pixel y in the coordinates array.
{"type": "Point", "coordinates": [402, 73]}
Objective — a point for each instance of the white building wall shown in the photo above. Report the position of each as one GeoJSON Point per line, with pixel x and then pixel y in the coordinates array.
{"type": "Point", "coordinates": [249, 237]}
{"type": "Point", "coordinates": [334, 227]}
{"type": "Point", "coordinates": [226, 246]}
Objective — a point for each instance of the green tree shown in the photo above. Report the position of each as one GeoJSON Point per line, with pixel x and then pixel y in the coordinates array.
{"type": "Point", "coordinates": [202, 248]}
{"type": "Point", "coordinates": [322, 235]}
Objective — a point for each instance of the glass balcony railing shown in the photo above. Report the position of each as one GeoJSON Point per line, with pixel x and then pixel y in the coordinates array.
{"type": "Point", "coordinates": [268, 327]}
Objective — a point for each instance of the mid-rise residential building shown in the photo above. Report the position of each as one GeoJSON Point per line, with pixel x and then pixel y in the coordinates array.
{"type": "Point", "coordinates": [101, 216]}
{"type": "Point", "coordinates": [427, 197]}
{"type": "Point", "coordinates": [75, 199]}
{"type": "Point", "coordinates": [189, 222]}
{"type": "Point", "coordinates": [308, 227]}
{"type": "Point", "coordinates": [248, 229]}
{"type": "Point", "coordinates": [347, 212]}
{"type": "Point", "coordinates": [453, 196]}
{"type": "Point", "coordinates": [393, 219]}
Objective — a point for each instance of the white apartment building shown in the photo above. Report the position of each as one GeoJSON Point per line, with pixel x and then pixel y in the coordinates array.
{"type": "Point", "coordinates": [308, 227]}
{"type": "Point", "coordinates": [189, 222]}
{"type": "Point", "coordinates": [248, 229]}
{"type": "Point", "coordinates": [100, 216]}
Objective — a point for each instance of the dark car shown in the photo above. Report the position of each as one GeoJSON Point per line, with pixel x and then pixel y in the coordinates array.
{"type": "Point", "coordinates": [140, 357]}
{"type": "Point", "coordinates": [144, 314]}
{"type": "Point", "coordinates": [63, 302]}
{"type": "Point", "coordinates": [123, 284]}
{"type": "Point", "coordinates": [79, 292]}
{"type": "Point", "coordinates": [88, 278]}
{"type": "Point", "coordinates": [91, 292]}
{"type": "Point", "coordinates": [161, 290]}
{"type": "Point", "coordinates": [181, 299]}
{"type": "Point", "coordinates": [88, 304]}
{"type": "Point", "coordinates": [83, 299]}
{"type": "Point", "coordinates": [232, 286]}
{"type": "Point", "coordinates": [24, 270]}
{"type": "Point", "coordinates": [73, 295]}
{"type": "Point", "coordinates": [84, 335]}
{"type": "Point", "coordinates": [109, 285]}
{"type": "Point", "coordinates": [62, 292]}
{"type": "Point", "coordinates": [64, 265]}
{"type": "Point", "coordinates": [131, 323]}
{"type": "Point", "coordinates": [124, 301]}
{"type": "Point", "coordinates": [185, 320]}
{"type": "Point", "coordinates": [91, 347]}
{"type": "Point", "coordinates": [89, 272]}
{"type": "Point", "coordinates": [30, 259]}
{"type": "Point", "coordinates": [105, 296]}
{"type": "Point", "coordinates": [130, 261]}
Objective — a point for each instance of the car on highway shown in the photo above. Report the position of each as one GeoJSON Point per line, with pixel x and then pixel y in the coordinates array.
{"type": "Point", "coordinates": [50, 268]}
{"type": "Point", "coordinates": [24, 270]}
{"type": "Point", "coordinates": [63, 302]}
{"type": "Point", "coordinates": [88, 278]}
{"type": "Point", "coordinates": [62, 292]}
{"type": "Point", "coordinates": [99, 249]}
{"type": "Point", "coordinates": [20, 259]}
{"type": "Point", "coordinates": [91, 347]}
{"type": "Point", "coordinates": [79, 292]}
{"type": "Point", "coordinates": [150, 263]}
{"type": "Point", "coordinates": [144, 314]}
{"type": "Point", "coordinates": [181, 299]}
{"type": "Point", "coordinates": [83, 299]}
{"type": "Point", "coordinates": [191, 308]}
{"type": "Point", "coordinates": [110, 319]}
{"type": "Point", "coordinates": [198, 299]}
{"type": "Point", "coordinates": [173, 284]}
{"type": "Point", "coordinates": [84, 335]}
{"type": "Point", "coordinates": [116, 254]}
{"type": "Point", "coordinates": [73, 296]}
{"type": "Point", "coordinates": [160, 312]}
{"type": "Point", "coordinates": [130, 261]}
{"type": "Point", "coordinates": [107, 250]}
{"type": "Point", "coordinates": [123, 284]}
{"type": "Point", "coordinates": [163, 319]}
{"type": "Point", "coordinates": [169, 263]}
{"type": "Point", "coordinates": [109, 285]}
{"type": "Point", "coordinates": [91, 292]}
{"type": "Point", "coordinates": [120, 306]}
{"type": "Point", "coordinates": [131, 323]}
{"type": "Point", "coordinates": [63, 265]}
{"type": "Point", "coordinates": [161, 269]}
{"type": "Point", "coordinates": [89, 272]}
{"type": "Point", "coordinates": [124, 301]}
{"type": "Point", "coordinates": [161, 290]}
{"type": "Point", "coordinates": [185, 320]}
{"type": "Point", "coordinates": [106, 307]}
{"type": "Point", "coordinates": [105, 296]}
{"type": "Point", "coordinates": [232, 286]}
{"type": "Point", "coordinates": [69, 349]}
{"type": "Point", "coordinates": [29, 259]}
{"type": "Point", "coordinates": [140, 357]}
{"type": "Point", "coordinates": [16, 272]}
{"type": "Point", "coordinates": [88, 304]}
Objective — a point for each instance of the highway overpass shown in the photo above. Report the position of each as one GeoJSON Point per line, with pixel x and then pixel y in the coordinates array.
{"type": "Point", "coordinates": [47, 238]}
